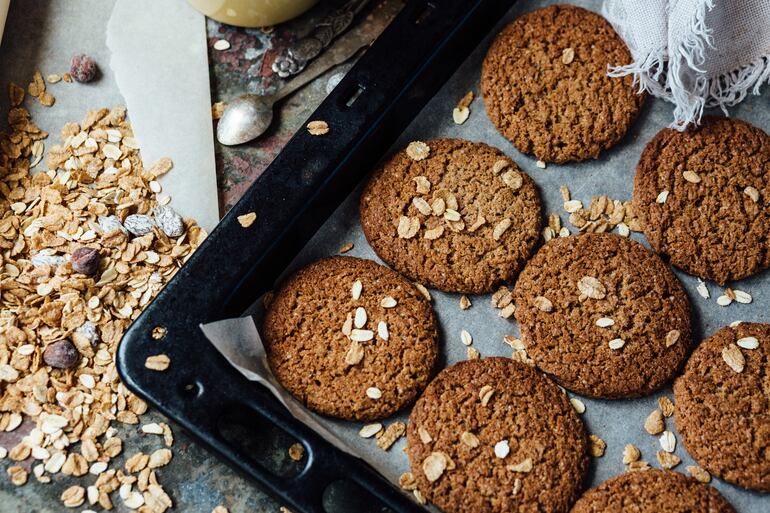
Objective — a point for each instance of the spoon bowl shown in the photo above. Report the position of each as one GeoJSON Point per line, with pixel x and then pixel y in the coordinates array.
{"type": "Point", "coordinates": [245, 118]}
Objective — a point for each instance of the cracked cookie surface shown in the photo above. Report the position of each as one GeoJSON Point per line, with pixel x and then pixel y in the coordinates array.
{"type": "Point", "coordinates": [545, 85]}
{"type": "Point", "coordinates": [703, 198]}
{"type": "Point", "coordinates": [331, 372]}
{"type": "Point", "coordinates": [603, 315]}
{"type": "Point", "coordinates": [652, 491]}
{"type": "Point", "coordinates": [497, 205]}
{"type": "Point", "coordinates": [456, 432]}
{"type": "Point", "coordinates": [724, 415]}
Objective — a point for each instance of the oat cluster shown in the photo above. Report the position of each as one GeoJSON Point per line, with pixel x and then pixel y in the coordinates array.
{"type": "Point", "coordinates": [85, 244]}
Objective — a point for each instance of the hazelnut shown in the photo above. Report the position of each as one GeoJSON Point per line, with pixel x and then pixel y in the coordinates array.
{"type": "Point", "coordinates": [85, 261]}
{"type": "Point", "coordinates": [61, 354]}
{"type": "Point", "coordinates": [82, 68]}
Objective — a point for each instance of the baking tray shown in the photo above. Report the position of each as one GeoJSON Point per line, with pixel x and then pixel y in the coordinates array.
{"type": "Point", "coordinates": [366, 112]}
{"type": "Point", "coordinates": [617, 422]}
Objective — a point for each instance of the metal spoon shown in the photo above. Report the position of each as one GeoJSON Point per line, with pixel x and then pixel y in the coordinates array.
{"type": "Point", "coordinates": [247, 117]}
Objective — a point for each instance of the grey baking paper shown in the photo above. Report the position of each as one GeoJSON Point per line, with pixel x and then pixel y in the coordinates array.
{"type": "Point", "coordinates": [617, 422]}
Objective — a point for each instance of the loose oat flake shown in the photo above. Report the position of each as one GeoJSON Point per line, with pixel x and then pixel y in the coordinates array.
{"type": "Point", "coordinates": [246, 220]}
{"type": "Point", "coordinates": [597, 446]}
{"type": "Point", "coordinates": [630, 454]}
{"type": "Point", "coordinates": [733, 357]}
{"type": "Point", "coordinates": [748, 342]}
{"type": "Point", "coordinates": [433, 466]}
{"type": "Point", "coordinates": [370, 430]}
{"type": "Point", "coordinates": [318, 128]}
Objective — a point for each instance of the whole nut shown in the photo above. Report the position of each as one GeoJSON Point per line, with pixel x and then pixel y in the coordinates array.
{"type": "Point", "coordinates": [169, 221]}
{"type": "Point", "coordinates": [139, 224]}
{"type": "Point", "coordinates": [83, 68]}
{"type": "Point", "coordinates": [61, 354]}
{"type": "Point", "coordinates": [85, 260]}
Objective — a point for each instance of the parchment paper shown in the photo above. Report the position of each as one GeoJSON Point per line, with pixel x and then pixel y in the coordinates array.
{"type": "Point", "coordinates": [160, 60]}
{"type": "Point", "coordinates": [617, 422]}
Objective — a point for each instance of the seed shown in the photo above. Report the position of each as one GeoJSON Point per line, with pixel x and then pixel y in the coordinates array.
{"type": "Point", "coordinates": [318, 128]}
{"type": "Point", "coordinates": [513, 179]}
{"type": "Point", "coordinates": [605, 322]}
{"type": "Point", "coordinates": [373, 393]}
{"type": "Point", "coordinates": [499, 165]}
{"type": "Point", "coordinates": [691, 176]}
{"type": "Point", "coordinates": [417, 150]}
{"type": "Point", "coordinates": [354, 354]}
{"type": "Point", "coordinates": [408, 227]}
{"type": "Point", "coordinates": [370, 430]}
{"type": "Point", "coordinates": [742, 297]}
{"type": "Point", "coordinates": [668, 460]}
{"type": "Point", "coordinates": [221, 44]}
{"type": "Point", "coordinates": [460, 115]}
{"type": "Point", "coordinates": [485, 394]}
{"type": "Point", "coordinates": [543, 304]}
{"type": "Point", "coordinates": [61, 354]}
{"type": "Point", "coordinates": [752, 193]}
{"type": "Point", "coordinates": [702, 289]}
{"type": "Point", "coordinates": [698, 473]}
{"type": "Point", "coordinates": [733, 357]}
{"type": "Point", "coordinates": [748, 343]}
{"type": "Point", "coordinates": [666, 406]}
{"type": "Point", "coordinates": [434, 233]}
{"type": "Point", "coordinates": [616, 343]}
{"type": "Point", "coordinates": [465, 303]}
{"type": "Point", "coordinates": [424, 435]}
{"type": "Point", "coordinates": [500, 228]}
{"type": "Point", "coordinates": [572, 206]}
{"type": "Point", "coordinates": [422, 184]}
{"type": "Point", "coordinates": [433, 466]}
{"type": "Point", "coordinates": [346, 247]}
{"type": "Point", "coordinates": [296, 451]}
{"type": "Point", "coordinates": [357, 335]}
{"type": "Point", "coordinates": [466, 338]}
{"type": "Point", "coordinates": [662, 197]}
{"type": "Point", "coordinates": [502, 449]}
{"type": "Point", "coordinates": [591, 287]}
{"type": "Point", "coordinates": [159, 362]}
{"type": "Point", "coordinates": [421, 288]}
{"type": "Point", "coordinates": [567, 55]}
{"type": "Point", "coordinates": [525, 466]}
{"type": "Point", "coordinates": [724, 300]}
{"type": "Point", "coordinates": [360, 318]}
{"type": "Point", "coordinates": [247, 220]}
{"type": "Point", "coordinates": [469, 439]}
{"type": "Point", "coordinates": [668, 441]}
{"type": "Point", "coordinates": [356, 289]}
{"type": "Point", "coordinates": [578, 405]}
{"type": "Point", "coordinates": [422, 206]}
{"type": "Point", "coordinates": [597, 447]}
{"type": "Point", "coordinates": [388, 302]}
{"type": "Point", "coordinates": [630, 454]}
{"type": "Point", "coordinates": [653, 424]}
{"type": "Point", "coordinates": [382, 330]}
{"type": "Point", "coordinates": [672, 337]}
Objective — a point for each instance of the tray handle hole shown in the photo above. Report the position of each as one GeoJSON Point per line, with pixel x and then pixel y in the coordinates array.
{"type": "Point", "coordinates": [425, 13]}
{"type": "Point", "coordinates": [191, 389]}
{"type": "Point", "coordinates": [353, 96]}
{"type": "Point", "coordinates": [260, 441]}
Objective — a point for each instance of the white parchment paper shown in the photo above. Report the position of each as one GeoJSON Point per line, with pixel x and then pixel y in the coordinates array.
{"type": "Point", "coordinates": [616, 422]}
{"type": "Point", "coordinates": [160, 60]}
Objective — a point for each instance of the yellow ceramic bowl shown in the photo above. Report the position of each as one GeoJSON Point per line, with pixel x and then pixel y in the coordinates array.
{"type": "Point", "coordinates": [252, 13]}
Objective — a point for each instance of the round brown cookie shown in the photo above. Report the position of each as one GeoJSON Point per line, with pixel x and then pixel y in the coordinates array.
{"type": "Point", "coordinates": [462, 219]}
{"type": "Point", "coordinates": [652, 491]}
{"type": "Point", "coordinates": [372, 371]}
{"type": "Point", "coordinates": [546, 88]}
{"type": "Point", "coordinates": [702, 198]}
{"type": "Point", "coordinates": [603, 315]}
{"type": "Point", "coordinates": [722, 414]}
{"type": "Point", "coordinates": [494, 435]}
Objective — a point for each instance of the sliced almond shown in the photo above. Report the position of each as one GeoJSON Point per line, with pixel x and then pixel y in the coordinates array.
{"type": "Point", "coordinates": [653, 424]}
{"type": "Point", "coordinates": [616, 343]}
{"type": "Point", "coordinates": [388, 302]}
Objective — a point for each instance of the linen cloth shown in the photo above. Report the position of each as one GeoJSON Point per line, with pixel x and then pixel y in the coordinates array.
{"type": "Point", "coordinates": [694, 53]}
